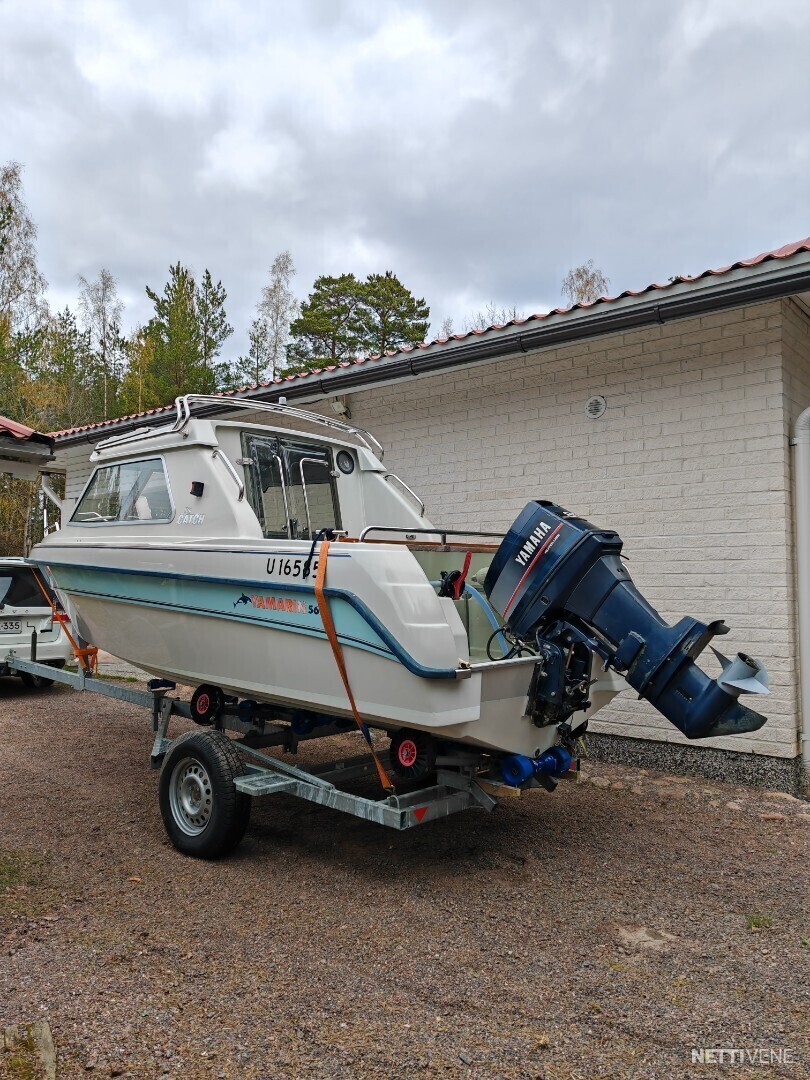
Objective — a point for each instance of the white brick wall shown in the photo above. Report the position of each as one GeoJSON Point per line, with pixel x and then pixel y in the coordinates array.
{"type": "Point", "coordinates": [689, 463]}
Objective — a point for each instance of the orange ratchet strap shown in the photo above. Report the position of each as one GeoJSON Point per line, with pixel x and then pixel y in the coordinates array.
{"type": "Point", "coordinates": [329, 627]}
{"type": "Point", "coordinates": [88, 658]}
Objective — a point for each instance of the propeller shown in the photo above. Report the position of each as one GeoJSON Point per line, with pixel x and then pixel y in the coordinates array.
{"type": "Point", "coordinates": [742, 675]}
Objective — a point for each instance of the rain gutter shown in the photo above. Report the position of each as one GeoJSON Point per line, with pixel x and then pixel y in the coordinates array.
{"type": "Point", "coordinates": [564, 332]}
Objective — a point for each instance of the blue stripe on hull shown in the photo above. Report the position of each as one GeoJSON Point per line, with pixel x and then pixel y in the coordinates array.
{"type": "Point", "coordinates": [274, 624]}
{"type": "Point", "coordinates": [225, 598]}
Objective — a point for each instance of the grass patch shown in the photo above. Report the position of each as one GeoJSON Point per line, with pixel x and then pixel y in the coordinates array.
{"type": "Point", "coordinates": [22, 890]}
{"type": "Point", "coordinates": [757, 920]}
{"type": "Point", "coordinates": [22, 1062]}
{"type": "Point", "coordinates": [12, 869]}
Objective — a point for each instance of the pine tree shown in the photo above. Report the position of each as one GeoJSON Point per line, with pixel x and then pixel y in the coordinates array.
{"type": "Point", "coordinates": [16, 351]}
{"type": "Point", "coordinates": [68, 383]}
{"type": "Point", "coordinates": [328, 327]}
{"type": "Point", "coordinates": [344, 317]}
{"type": "Point", "coordinates": [256, 367]}
{"type": "Point", "coordinates": [214, 326]}
{"type": "Point", "coordinates": [137, 391]}
{"type": "Point", "coordinates": [391, 315]}
{"type": "Point", "coordinates": [178, 364]}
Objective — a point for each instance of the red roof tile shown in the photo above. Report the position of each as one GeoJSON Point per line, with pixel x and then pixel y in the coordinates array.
{"type": "Point", "coordinates": [20, 431]}
{"type": "Point", "coordinates": [766, 256]}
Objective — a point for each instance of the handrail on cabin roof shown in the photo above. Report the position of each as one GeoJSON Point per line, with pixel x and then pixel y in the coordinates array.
{"type": "Point", "coordinates": [183, 406]}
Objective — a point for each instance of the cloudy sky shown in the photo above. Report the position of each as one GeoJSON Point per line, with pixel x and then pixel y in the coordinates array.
{"type": "Point", "coordinates": [478, 148]}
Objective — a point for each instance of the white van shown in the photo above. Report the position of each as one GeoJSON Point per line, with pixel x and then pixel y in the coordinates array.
{"type": "Point", "coordinates": [23, 609]}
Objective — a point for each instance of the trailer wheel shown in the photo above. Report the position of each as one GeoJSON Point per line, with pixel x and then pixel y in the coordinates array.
{"type": "Point", "coordinates": [207, 703]}
{"type": "Point", "coordinates": [35, 682]}
{"type": "Point", "coordinates": [202, 810]}
{"type": "Point", "coordinates": [413, 754]}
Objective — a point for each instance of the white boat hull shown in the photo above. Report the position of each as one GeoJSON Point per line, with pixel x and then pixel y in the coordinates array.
{"type": "Point", "coordinates": [247, 621]}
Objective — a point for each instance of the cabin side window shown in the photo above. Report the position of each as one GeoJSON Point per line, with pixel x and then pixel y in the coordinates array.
{"type": "Point", "coordinates": [133, 492]}
{"type": "Point", "coordinates": [290, 487]}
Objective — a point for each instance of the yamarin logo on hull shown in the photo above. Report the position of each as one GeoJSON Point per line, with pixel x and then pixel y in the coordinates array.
{"type": "Point", "coordinates": [284, 604]}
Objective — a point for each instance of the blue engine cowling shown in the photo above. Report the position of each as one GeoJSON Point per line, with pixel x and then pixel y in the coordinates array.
{"type": "Point", "coordinates": [559, 579]}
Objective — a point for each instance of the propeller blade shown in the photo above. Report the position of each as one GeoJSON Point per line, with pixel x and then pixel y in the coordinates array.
{"type": "Point", "coordinates": [742, 675]}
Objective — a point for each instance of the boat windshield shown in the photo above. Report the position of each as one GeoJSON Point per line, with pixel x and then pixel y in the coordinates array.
{"type": "Point", "coordinates": [134, 491]}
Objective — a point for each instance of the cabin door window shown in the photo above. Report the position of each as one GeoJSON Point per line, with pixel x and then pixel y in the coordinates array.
{"type": "Point", "coordinates": [267, 486]}
{"type": "Point", "coordinates": [313, 498]}
{"type": "Point", "coordinates": [290, 487]}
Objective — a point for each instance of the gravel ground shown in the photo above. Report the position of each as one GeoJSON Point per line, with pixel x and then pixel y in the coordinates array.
{"type": "Point", "coordinates": [600, 931]}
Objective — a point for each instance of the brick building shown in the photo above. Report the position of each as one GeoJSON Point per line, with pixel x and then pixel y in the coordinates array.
{"type": "Point", "coordinates": [687, 455]}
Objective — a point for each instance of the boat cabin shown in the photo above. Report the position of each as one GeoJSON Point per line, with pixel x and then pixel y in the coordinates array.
{"type": "Point", "coordinates": [231, 483]}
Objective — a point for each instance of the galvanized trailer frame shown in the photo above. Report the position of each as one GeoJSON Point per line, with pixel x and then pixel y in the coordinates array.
{"type": "Point", "coordinates": [456, 788]}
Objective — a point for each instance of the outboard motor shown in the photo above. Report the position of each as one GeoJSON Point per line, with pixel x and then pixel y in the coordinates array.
{"type": "Point", "coordinates": [559, 580]}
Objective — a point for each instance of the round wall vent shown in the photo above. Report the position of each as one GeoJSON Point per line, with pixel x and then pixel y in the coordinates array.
{"type": "Point", "coordinates": [595, 407]}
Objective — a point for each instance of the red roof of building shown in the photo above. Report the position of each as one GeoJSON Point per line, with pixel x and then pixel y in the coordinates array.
{"type": "Point", "coordinates": [766, 256]}
{"type": "Point", "coordinates": [20, 431]}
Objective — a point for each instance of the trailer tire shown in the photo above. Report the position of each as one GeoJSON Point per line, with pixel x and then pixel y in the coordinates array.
{"type": "Point", "coordinates": [35, 682]}
{"type": "Point", "coordinates": [204, 814]}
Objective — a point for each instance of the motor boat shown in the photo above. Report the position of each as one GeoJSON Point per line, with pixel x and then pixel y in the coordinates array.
{"type": "Point", "coordinates": [218, 553]}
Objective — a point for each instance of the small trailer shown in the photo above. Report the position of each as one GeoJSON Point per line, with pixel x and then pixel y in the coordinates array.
{"type": "Point", "coordinates": [207, 779]}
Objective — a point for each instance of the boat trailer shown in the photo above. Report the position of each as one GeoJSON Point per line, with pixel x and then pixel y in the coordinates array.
{"type": "Point", "coordinates": [206, 775]}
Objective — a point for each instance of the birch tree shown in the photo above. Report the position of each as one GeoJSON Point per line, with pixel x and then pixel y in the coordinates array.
{"type": "Point", "coordinates": [584, 284]}
{"type": "Point", "coordinates": [101, 309]}
{"type": "Point", "coordinates": [276, 310]}
{"type": "Point", "coordinates": [22, 286]}
{"type": "Point", "coordinates": [492, 315]}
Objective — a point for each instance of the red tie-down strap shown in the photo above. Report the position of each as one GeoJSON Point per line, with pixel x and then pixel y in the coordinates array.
{"type": "Point", "coordinates": [87, 657]}
{"type": "Point", "coordinates": [337, 651]}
